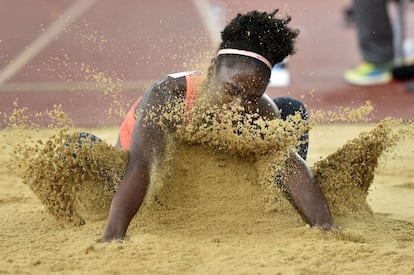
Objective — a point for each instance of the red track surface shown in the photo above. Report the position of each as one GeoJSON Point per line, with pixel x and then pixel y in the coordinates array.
{"type": "Point", "coordinates": [137, 42]}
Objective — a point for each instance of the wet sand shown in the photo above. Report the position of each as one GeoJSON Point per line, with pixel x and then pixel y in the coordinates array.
{"type": "Point", "coordinates": [223, 236]}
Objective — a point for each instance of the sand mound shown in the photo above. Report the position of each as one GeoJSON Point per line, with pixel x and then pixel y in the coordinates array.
{"type": "Point", "coordinates": [197, 185]}
{"type": "Point", "coordinates": [220, 161]}
{"type": "Point", "coordinates": [197, 180]}
{"type": "Point", "coordinates": [72, 181]}
{"type": "Point", "coordinates": [346, 175]}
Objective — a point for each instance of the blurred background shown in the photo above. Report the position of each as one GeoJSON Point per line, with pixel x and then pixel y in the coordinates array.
{"type": "Point", "coordinates": [97, 56]}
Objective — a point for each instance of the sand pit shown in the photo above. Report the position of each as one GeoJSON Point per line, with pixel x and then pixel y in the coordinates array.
{"type": "Point", "coordinates": [186, 231]}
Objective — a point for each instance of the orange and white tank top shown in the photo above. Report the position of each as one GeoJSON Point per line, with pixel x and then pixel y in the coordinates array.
{"type": "Point", "coordinates": [193, 81]}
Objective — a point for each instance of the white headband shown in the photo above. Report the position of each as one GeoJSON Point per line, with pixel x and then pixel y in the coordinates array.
{"type": "Point", "coordinates": [246, 53]}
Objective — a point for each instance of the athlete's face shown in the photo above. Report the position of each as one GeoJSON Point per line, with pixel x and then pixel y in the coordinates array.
{"type": "Point", "coordinates": [241, 83]}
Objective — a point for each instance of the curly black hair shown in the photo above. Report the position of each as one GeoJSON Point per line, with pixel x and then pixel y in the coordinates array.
{"type": "Point", "coordinates": [261, 33]}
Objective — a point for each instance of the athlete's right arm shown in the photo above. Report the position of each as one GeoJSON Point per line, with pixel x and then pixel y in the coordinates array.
{"type": "Point", "coordinates": [147, 143]}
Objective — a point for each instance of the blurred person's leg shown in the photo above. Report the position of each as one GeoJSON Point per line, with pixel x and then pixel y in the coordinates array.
{"type": "Point", "coordinates": [374, 31]}
{"type": "Point", "coordinates": [375, 37]}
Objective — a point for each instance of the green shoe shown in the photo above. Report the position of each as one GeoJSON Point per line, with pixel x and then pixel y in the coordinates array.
{"type": "Point", "coordinates": [368, 74]}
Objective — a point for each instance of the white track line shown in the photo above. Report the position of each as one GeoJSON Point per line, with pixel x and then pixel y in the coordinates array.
{"type": "Point", "coordinates": [45, 38]}
{"type": "Point", "coordinates": [210, 20]}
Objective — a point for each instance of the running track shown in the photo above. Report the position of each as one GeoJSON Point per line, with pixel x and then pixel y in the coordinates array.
{"type": "Point", "coordinates": [62, 52]}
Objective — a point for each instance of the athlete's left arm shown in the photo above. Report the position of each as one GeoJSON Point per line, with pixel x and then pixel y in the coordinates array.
{"type": "Point", "coordinates": [300, 182]}
{"type": "Point", "coordinates": [306, 193]}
